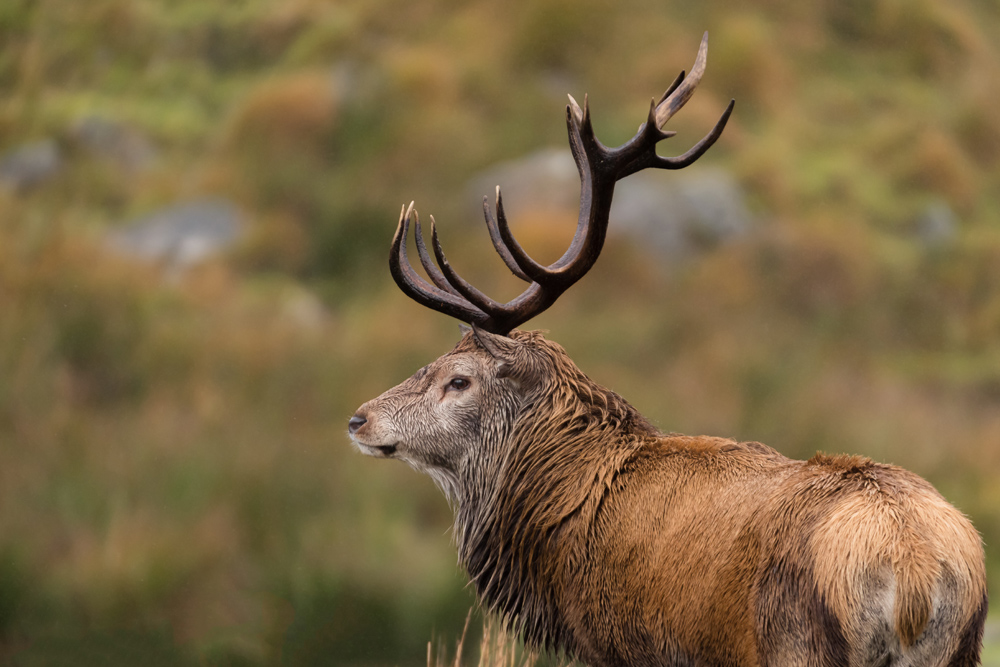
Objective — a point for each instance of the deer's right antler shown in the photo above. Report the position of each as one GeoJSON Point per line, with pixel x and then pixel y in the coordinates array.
{"type": "Point", "coordinates": [600, 168]}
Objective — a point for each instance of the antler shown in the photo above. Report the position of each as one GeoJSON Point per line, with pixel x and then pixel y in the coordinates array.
{"type": "Point", "coordinates": [600, 168]}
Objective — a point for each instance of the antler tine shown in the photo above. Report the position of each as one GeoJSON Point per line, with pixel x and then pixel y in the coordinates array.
{"type": "Point", "coordinates": [415, 287]}
{"type": "Point", "coordinates": [425, 259]}
{"type": "Point", "coordinates": [475, 297]}
{"type": "Point", "coordinates": [532, 269]}
{"type": "Point", "coordinates": [575, 108]}
{"type": "Point", "coordinates": [672, 87]}
{"type": "Point", "coordinates": [699, 148]}
{"type": "Point", "coordinates": [498, 243]}
{"type": "Point", "coordinates": [683, 87]}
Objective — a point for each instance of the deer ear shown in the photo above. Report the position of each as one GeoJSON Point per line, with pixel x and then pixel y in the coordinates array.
{"type": "Point", "coordinates": [502, 349]}
{"type": "Point", "coordinates": [464, 329]}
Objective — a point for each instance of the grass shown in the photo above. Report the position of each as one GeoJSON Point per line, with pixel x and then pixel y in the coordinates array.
{"type": "Point", "coordinates": [497, 648]}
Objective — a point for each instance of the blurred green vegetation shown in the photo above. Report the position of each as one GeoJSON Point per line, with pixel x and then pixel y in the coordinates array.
{"type": "Point", "coordinates": [175, 482]}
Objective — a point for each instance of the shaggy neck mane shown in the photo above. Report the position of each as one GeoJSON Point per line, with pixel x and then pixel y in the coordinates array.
{"type": "Point", "coordinates": [515, 531]}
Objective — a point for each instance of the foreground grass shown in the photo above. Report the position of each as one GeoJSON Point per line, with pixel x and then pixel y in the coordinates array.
{"type": "Point", "coordinates": [497, 648]}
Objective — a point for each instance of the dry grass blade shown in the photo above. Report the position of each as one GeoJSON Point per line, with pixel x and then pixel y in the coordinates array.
{"type": "Point", "coordinates": [497, 648]}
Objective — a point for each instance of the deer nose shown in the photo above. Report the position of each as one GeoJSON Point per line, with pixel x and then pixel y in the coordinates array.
{"type": "Point", "coordinates": [357, 421]}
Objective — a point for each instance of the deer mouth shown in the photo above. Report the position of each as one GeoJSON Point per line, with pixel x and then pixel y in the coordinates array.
{"type": "Point", "coordinates": [383, 451]}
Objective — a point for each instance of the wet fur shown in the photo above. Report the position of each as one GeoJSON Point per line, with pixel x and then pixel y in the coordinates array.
{"type": "Point", "coordinates": [595, 534]}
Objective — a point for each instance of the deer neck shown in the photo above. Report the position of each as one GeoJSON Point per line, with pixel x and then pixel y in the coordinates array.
{"type": "Point", "coordinates": [519, 524]}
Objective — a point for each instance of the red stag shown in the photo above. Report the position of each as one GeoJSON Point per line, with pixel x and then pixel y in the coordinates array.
{"type": "Point", "coordinates": [592, 532]}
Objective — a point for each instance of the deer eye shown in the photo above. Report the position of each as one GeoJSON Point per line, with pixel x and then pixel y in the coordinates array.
{"type": "Point", "coordinates": [458, 384]}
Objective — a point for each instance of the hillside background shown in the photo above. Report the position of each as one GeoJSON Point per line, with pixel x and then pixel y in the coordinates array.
{"type": "Point", "coordinates": [176, 484]}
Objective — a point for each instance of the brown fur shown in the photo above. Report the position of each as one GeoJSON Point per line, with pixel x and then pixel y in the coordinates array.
{"type": "Point", "coordinates": [595, 534]}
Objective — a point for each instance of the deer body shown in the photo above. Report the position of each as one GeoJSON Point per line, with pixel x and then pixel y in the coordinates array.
{"type": "Point", "coordinates": [593, 533]}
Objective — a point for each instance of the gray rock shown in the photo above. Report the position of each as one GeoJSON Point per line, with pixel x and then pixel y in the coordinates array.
{"type": "Point", "coordinates": [937, 225]}
{"type": "Point", "coordinates": [181, 235]}
{"type": "Point", "coordinates": [30, 165]}
{"type": "Point", "coordinates": [673, 213]}
{"type": "Point", "coordinates": [546, 179]}
{"type": "Point", "coordinates": [117, 142]}
{"type": "Point", "coordinates": [355, 84]}
{"type": "Point", "coordinates": [680, 213]}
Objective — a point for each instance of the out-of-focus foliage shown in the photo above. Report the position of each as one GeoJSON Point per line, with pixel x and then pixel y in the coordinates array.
{"type": "Point", "coordinates": [175, 481]}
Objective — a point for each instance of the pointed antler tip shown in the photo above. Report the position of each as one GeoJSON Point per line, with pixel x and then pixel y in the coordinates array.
{"type": "Point", "coordinates": [702, 50]}
{"type": "Point", "coordinates": [574, 109]}
{"type": "Point", "coordinates": [651, 116]}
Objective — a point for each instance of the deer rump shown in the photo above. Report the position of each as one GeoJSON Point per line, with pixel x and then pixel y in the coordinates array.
{"type": "Point", "coordinates": [593, 533]}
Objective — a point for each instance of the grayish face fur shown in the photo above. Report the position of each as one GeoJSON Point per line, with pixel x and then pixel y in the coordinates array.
{"type": "Point", "coordinates": [434, 421]}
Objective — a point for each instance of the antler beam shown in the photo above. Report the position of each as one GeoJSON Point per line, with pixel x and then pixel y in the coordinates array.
{"type": "Point", "coordinates": [600, 169]}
